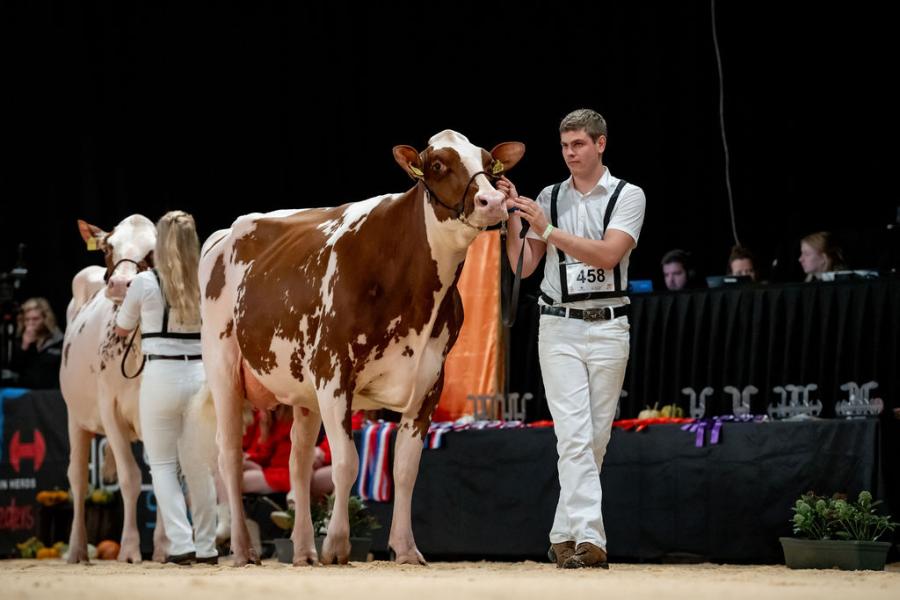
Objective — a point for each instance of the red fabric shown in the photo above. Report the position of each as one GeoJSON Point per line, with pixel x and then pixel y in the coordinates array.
{"type": "Point", "coordinates": [274, 454]}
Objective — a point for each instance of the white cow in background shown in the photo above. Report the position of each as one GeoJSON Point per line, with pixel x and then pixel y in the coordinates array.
{"type": "Point", "coordinates": [100, 400]}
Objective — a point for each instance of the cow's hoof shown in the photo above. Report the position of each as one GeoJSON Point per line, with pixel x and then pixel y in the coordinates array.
{"type": "Point", "coordinates": [337, 553]}
{"type": "Point", "coordinates": [130, 554]}
{"type": "Point", "coordinates": [410, 557]}
{"type": "Point", "coordinates": [306, 559]}
{"type": "Point", "coordinates": [77, 555]}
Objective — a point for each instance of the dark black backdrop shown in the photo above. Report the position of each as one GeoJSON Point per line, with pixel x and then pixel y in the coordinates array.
{"type": "Point", "coordinates": [224, 108]}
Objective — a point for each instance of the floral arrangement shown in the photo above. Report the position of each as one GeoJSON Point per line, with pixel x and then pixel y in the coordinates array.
{"type": "Point", "coordinates": [820, 518]}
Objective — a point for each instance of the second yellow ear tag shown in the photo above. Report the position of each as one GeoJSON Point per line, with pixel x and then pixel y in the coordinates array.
{"type": "Point", "coordinates": [497, 167]}
{"type": "Point", "coordinates": [92, 244]}
{"type": "Point", "coordinates": [416, 171]}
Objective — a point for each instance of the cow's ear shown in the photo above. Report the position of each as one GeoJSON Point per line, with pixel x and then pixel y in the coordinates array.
{"type": "Point", "coordinates": [408, 158]}
{"type": "Point", "coordinates": [91, 234]}
{"type": "Point", "coordinates": [507, 154]}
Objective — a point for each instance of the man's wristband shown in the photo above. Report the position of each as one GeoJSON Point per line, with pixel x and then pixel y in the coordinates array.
{"type": "Point", "coordinates": [547, 232]}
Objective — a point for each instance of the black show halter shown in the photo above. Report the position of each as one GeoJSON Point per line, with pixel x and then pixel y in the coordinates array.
{"type": "Point", "coordinates": [461, 205]}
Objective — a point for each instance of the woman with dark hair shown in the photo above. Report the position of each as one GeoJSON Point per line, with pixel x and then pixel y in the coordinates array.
{"type": "Point", "coordinates": [166, 302]}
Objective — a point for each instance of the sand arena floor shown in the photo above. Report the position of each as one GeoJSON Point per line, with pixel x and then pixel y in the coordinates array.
{"type": "Point", "coordinates": [21, 579]}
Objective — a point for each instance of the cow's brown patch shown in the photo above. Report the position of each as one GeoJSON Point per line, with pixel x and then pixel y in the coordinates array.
{"type": "Point", "coordinates": [66, 350]}
{"type": "Point", "coordinates": [80, 329]}
{"type": "Point", "coordinates": [407, 351]}
{"type": "Point", "coordinates": [216, 279]}
{"type": "Point", "coordinates": [226, 333]}
{"type": "Point", "coordinates": [280, 285]}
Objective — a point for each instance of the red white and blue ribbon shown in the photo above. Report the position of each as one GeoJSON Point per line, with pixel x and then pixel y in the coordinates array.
{"type": "Point", "coordinates": [434, 439]}
{"type": "Point", "coordinates": [375, 481]}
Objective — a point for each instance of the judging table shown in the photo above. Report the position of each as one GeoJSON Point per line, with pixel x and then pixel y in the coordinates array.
{"type": "Point", "coordinates": [493, 493]}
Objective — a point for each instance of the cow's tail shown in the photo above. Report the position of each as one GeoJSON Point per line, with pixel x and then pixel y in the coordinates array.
{"type": "Point", "coordinates": [200, 425]}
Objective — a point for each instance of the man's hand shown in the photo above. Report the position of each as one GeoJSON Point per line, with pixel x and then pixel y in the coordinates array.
{"type": "Point", "coordinates": [529, 210]}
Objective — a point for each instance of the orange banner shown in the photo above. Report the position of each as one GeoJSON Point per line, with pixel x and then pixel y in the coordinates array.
{"type": "Point", "coordinates": [472, 367]}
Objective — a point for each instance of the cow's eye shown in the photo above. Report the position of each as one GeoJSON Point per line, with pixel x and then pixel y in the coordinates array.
{"type": "Point", "coordinates": [437, 167]}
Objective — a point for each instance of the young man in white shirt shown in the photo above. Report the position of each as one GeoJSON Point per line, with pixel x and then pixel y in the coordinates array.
{"type": "Point", "coordinates": [588, 225]}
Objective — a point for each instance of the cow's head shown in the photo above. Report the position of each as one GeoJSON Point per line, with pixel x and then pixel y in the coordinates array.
{"type": "Point", "coordinates": [128, 249]}
{"type": "Point", "coordinates": [458, 176]}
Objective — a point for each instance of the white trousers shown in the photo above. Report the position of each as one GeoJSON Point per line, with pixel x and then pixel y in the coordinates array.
{"type": "Point", "coordinates": [166, 389]}
{"type": "Point", "coordinates": [583, 367]}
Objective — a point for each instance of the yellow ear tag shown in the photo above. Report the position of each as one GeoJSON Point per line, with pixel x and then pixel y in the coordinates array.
{"type": "Point", "coordinates": [92, 244]}
{"type": "Point", "coordinates": [416, 171]}
{"type": "Point", "coordinates": [497, 167]}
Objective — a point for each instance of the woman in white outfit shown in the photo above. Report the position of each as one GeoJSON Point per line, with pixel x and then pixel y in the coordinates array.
{"type": "Point", "coordinates": [166, 302]}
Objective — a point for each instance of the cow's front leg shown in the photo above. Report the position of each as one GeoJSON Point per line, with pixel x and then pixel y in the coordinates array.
{"type": "Point", "coordinates": [129, 476]}
{"type": "Point", "coordinates": [344, 468]}
{"type": "Point", "coordinates": [79, 448]}
{"type": "Point", "coordinates": [407, 452]}
{"type": "Point", "coordinates": [303, 444]}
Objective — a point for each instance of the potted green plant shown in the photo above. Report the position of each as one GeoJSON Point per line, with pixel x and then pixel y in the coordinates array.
{"type": "Point", "coordinates": [362, 524]}
{"type": "Point", "coordinates": [834, 532]}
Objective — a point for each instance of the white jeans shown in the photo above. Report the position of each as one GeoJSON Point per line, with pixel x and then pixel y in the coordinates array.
{"type": "Point", "coordinates": [583, 367]}
{"type": "Point", "coordinates": [166, 388]}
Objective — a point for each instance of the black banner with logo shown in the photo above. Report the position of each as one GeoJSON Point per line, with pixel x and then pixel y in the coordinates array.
{"type": "Point", "coordinates": [34, 456]}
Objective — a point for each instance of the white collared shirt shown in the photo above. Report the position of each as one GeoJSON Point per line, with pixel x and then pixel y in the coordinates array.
{"type": "Point", "coordinates": [144, 304]}
{"type": "Point", "coordinates": [582, 215]}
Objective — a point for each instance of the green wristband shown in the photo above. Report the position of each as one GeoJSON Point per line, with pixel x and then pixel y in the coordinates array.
{"type": "Point", "coordinates": [547, 232]}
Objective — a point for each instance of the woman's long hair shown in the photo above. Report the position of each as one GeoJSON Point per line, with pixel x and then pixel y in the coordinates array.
{"type": "Point", "coordinates": [177, 257]}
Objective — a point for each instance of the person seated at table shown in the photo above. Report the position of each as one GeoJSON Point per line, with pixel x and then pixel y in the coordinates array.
{"type": "Point", "coordinates": [678, 270]}
{"type": "Point", "coordinates": [819, 253]}
{"type": "Point", "coordinates": [37, 350]}
{"type": "Point", "coordinates": [741, 262]}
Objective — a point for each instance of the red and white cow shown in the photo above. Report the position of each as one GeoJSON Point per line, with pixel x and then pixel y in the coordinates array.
{"type": "Point", "coordinates": [333, 310]}
{"type": "Point", "coordinates": [100, 400]}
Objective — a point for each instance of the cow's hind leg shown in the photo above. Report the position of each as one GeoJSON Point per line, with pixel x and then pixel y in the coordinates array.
{"type": "Point", "coordinates": [303, 444]}
{"type": "Point", "coordinates": [129, 475]}
{"type": "Point", "coordinates": [79, 449]}
{"type": "Point", "coordinates": [344, 466]}
{"type": "Point", "coordinates": [407, 452]}
{"type": "Point", "coordinates": [231, 459]}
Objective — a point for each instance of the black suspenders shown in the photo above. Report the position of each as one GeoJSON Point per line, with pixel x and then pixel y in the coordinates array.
{"type": "Point", "coordinates": [165, 322]}
{"type": "Point", "coordinates": [617, 273]}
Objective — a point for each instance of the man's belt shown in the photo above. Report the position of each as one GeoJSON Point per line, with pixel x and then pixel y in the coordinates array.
{"type": "Point", "coordinates": [588, 314]}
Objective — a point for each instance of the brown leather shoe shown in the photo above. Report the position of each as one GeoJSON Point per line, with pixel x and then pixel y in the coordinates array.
{"type": "Point", "coordinates": [587, 555]}
{"type": "Point", "coordinates": [561, 552]}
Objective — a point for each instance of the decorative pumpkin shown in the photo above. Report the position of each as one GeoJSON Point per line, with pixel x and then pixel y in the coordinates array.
{"type": "Point", "coordinates": [107, 550]}
{"type": "Point", "coordinates": [672, 410]}
{"type": "Point", "coordinates": [47, 553]}
{"type": "Point", "coordinates": [650, 413]}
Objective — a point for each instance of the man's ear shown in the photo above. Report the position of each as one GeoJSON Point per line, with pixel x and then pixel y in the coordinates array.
{"type": "Point", "coordinates": [408, 158]}
{"type": "Point", "coordinates": [506, 155]}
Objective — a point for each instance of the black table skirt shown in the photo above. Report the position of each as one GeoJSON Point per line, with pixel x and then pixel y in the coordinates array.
{"type": "Point", "coordinates": [493, 493]}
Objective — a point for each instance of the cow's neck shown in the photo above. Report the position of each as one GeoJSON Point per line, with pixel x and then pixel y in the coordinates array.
{"type": "Point", "coordinates": [449, 239]}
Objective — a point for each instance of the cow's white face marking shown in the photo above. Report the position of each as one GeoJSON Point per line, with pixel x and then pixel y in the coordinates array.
{"type": "Point", "coordinates": [489, 202]}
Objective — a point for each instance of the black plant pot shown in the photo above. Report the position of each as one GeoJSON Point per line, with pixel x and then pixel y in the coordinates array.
{"type": "Point", "coordinates": [847, 555]}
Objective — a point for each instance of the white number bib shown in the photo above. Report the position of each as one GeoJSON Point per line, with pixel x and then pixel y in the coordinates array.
{"type": "Point", "coordinates": [585, 279]}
